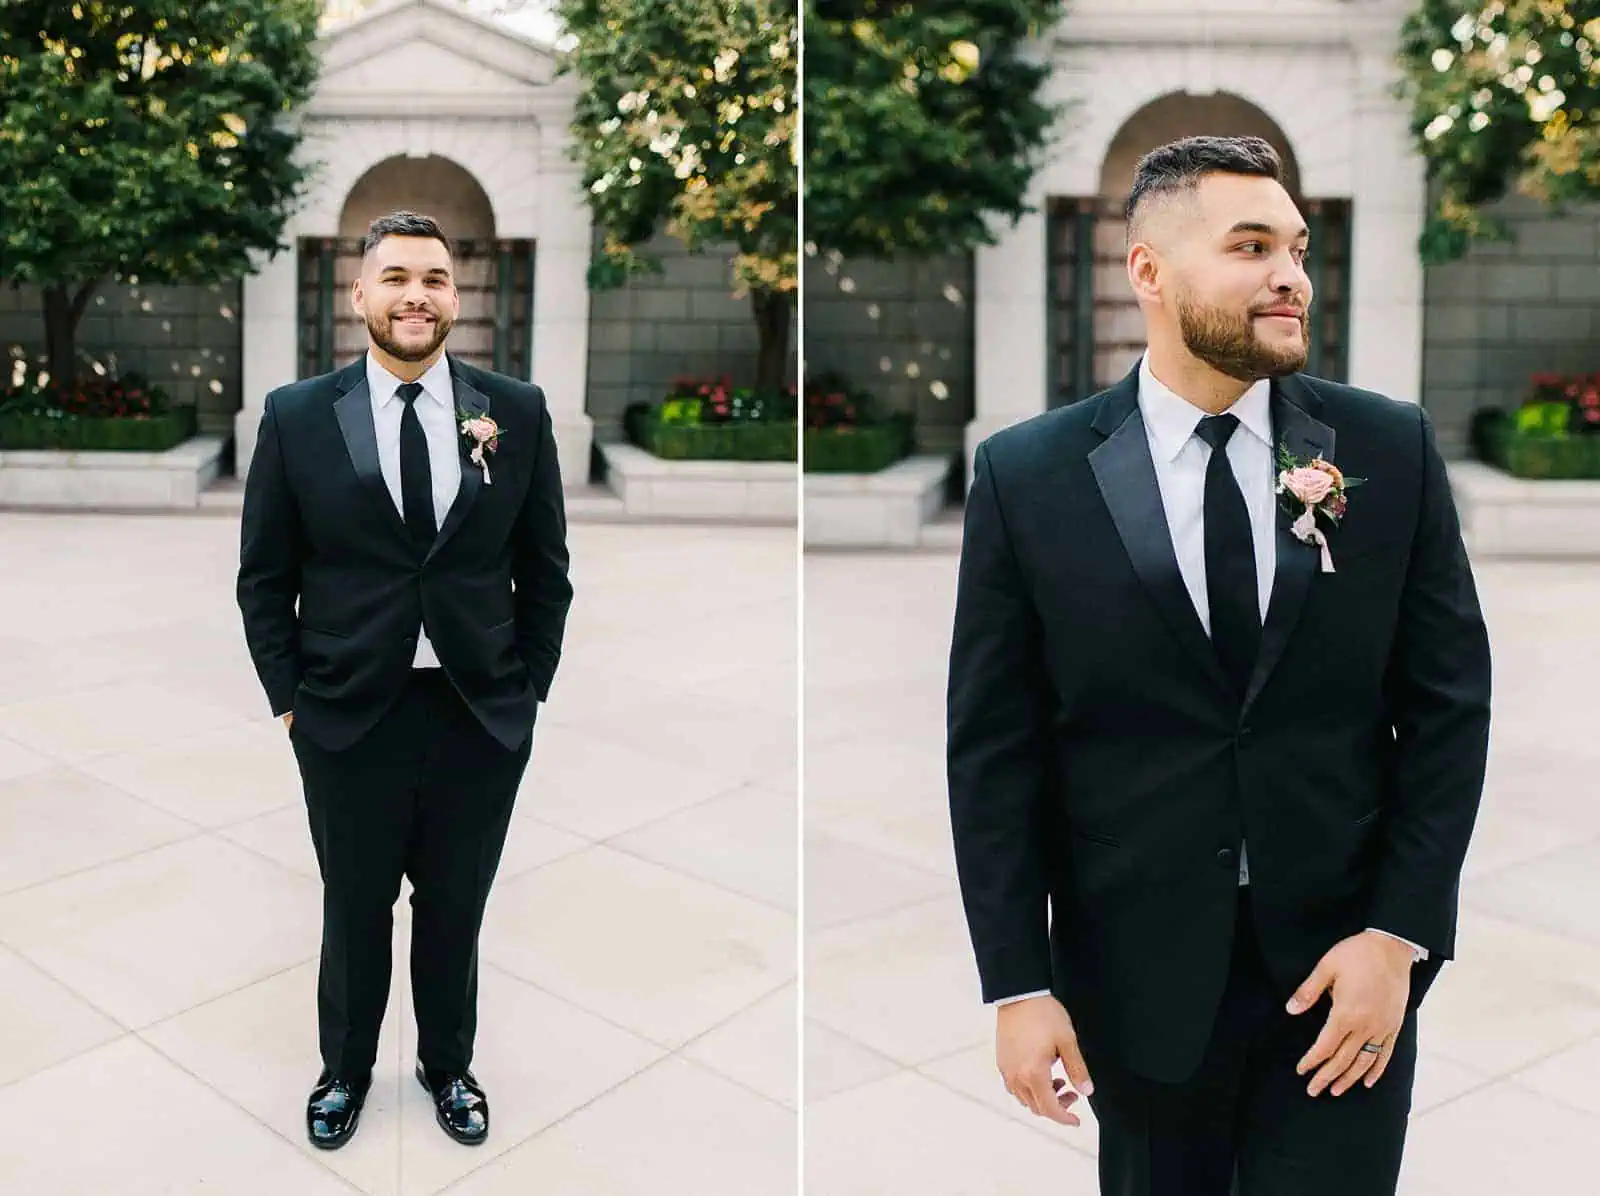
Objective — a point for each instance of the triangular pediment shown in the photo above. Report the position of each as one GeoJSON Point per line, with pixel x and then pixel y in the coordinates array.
{"type": "Point", "coordinates": [432, 50]}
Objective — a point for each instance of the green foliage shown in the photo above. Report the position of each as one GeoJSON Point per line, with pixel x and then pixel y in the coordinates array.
{"type": "Point", "coordinates": [142, 141]}
{"type": "Point", "coordinates": [1504, 95]}
{"type": "Point", "coordinates": [923, 121]}
{"type": "Point", "coordinates": [686, 121]}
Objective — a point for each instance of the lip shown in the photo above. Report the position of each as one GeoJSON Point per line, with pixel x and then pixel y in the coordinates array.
{"type": "Point", "coordinates": [1279, 313]}
{"type": "Point", "coordinates": [414, 319]}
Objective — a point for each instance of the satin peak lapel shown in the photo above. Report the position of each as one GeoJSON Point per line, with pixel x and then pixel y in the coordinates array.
{"type": "Point", "coordinates": [1126, 475]}
{"type": "Point", "coordinates": [354, 412]}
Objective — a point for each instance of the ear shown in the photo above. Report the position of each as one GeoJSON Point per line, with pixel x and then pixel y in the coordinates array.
{"type": "Point", "coordinates": [1144, 272]}
{"type": "Point", "coordinates": [356, 296]}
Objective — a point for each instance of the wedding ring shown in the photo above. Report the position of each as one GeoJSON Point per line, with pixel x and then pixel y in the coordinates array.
{"type": "Point", "coordinates": [1375, 1048]}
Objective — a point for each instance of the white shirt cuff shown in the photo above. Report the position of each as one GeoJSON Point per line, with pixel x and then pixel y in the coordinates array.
{"type": "Point", "coordinates": [1044, 992]}
{"type": "Point", "coordinates": [1418, 954]}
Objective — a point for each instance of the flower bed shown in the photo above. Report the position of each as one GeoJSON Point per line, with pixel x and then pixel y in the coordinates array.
{"type": "Point", "coordinates": [95, 415]}
{"type": "Point", "coordinates": [844, 436]}
{"type": "Point", "coordinates": [1554, 434]}
{"type": "Point", "coordinates": [711, 420]}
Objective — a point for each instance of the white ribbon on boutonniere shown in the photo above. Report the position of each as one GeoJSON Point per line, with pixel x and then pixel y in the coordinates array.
{"type": "Point", "coordinates": [484, 434]}
{"type": "Point", "coordinates": [1316, 486]}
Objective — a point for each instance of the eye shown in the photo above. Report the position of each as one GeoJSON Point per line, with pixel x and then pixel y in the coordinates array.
{"type": "Point", "coordinates": [1253, 246]}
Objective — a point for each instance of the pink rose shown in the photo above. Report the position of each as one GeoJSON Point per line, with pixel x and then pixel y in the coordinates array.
{"type": "Point", "coordinates": [481, 430]}
{"type": "Point", "coordinates": [1307, 484]}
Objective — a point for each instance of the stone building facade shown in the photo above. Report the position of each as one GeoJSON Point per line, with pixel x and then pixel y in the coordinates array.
{"type": "Point", "coordinates": [1312, 76]}
{"type": "Point", "coordinates": [483, 147]}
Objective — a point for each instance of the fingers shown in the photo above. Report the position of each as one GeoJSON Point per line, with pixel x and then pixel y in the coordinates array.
{"type": "Point", "coordinates": [1309, 993]}
{"type": "Point", "coordinates": [1360, 1066]}
{"type": "Point", "coordinates": [1337, 1065]}
{"type": "Point", "coordinates": [1375, 1072]}
{"type": "Point", "coordinates": [1333, 1033]}
{"type": "Point", "coordinates": [1038, 1093]}
{"type": "Point", "coordinates": [1077, 1069]}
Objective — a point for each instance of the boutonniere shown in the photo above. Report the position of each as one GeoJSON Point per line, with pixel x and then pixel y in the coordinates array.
{"type": "Point", "coordinates": [484, 434]}
{"type": "Point", "coordinates": [1310, 487]}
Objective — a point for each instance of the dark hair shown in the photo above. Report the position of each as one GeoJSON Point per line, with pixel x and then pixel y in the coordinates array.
{"type": "Point", "coordinates": [1180, 165]}
{"type": "Point", "coordinates": [403, 224]}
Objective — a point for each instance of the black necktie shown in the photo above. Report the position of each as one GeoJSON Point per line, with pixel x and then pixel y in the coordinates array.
{"type": "Point", "coordinates": [1230, 559]}
{"type": "Point", "coordinates": [416, 478]}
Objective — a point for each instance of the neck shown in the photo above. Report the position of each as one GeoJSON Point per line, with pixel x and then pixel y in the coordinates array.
{"type": "Point", "coordinates": [1193, 381]}
{"type": "Point", "coordinates": [406, 371]}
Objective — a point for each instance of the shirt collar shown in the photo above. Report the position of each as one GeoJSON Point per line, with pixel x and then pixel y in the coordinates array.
{"type": "Point", "coordinates": [435, 383]}
{"type": "Point", "coordinates": [1172, 419]}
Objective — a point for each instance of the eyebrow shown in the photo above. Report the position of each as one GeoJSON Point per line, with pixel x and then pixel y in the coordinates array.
{"type": "Point", "coordinates": [1256, 226]}
{"type": "Point", "coordinates": [396, 269]}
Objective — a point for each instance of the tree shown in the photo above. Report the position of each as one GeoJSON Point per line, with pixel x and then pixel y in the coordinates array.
{"type": "Point", "coordinates": [923, 121]}
{"type": "Point", "coordinates": [686, 121]}
{"type": "Point", "coordinates": [1503, 95]}
{"type": "Point", "coordinates": [143, 141]}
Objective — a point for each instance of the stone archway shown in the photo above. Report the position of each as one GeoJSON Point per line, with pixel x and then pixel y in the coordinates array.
{"type": "Point", "coordinates": [494, 110]}
{"type": "Point", "coordinates": [494, 279]}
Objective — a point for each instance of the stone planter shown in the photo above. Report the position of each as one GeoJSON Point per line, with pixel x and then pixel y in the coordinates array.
{"type": "Point", "coordinates": [1505, 516]}
{"type": "Point", "coordinates": [48, 479]}
{"type": "Point", "coordinates": [886, 509]}
{"type": "Point", "coordinates": [701, 491]}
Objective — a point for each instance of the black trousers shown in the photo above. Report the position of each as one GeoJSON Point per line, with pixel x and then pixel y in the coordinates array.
{"type": "Point", "coordinates": [1244, 1125]}
{"type": "Point", "coordinates": [427, 794]}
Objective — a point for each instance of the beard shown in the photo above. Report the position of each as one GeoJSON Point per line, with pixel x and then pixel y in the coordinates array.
{"type": "Point", "coordinates": [1228, 343]}
{"type": "Point", "coordinates": [382, 329]}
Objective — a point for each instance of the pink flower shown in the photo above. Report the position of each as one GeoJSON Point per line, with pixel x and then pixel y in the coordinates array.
{"type": "Point", "coordinates": [1309, 484]}
{"type": "Point", "coordinates": [482, 429]}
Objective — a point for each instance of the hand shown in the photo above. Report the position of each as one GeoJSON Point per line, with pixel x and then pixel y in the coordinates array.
{"type": "Point", "coordinates": [1029, 1037]}
{"type": "Point", "coordinates": [288, 721]}
{"type": "Point", "coordinates": [1369, 977]}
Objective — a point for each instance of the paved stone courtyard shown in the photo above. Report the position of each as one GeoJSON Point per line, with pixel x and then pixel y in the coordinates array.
{"type": "Point", "coordinates": [901, 1089]}
{"type": "Point", "coordinates": [160, 909]}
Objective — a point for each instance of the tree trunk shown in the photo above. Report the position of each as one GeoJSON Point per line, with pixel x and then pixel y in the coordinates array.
{"type": "Point", "coordinates": [772, 322]}
{"type": "Point", "coordinates": [63, 309]}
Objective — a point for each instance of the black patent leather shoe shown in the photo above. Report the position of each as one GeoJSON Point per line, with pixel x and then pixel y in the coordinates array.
{"type": "Point", "coordinates": [459, 1105]}
{"type": "Point", "coordinates": [334, 1110]}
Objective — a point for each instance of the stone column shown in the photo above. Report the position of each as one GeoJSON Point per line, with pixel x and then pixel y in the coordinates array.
{"type": "Point", "coordinates": [1010, 353]}
{"type": "Point", "coordinates": [561, 312]}
{"type": "Point", "coordinates": [269, 346]}
{"type": "Point", "coordinates": [1388, 203]}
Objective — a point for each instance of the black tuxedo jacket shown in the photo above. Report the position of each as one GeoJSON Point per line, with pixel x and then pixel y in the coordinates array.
{"type": "Point", "coordinates": [1100, 767]}
{"type": "Point", "coordinates": [320, 528]}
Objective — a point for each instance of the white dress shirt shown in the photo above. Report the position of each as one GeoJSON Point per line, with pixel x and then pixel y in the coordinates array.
{"type": "Point", "coordinates": [1181, 459]}
{"type": "Point", "coordinates": [436, 411]}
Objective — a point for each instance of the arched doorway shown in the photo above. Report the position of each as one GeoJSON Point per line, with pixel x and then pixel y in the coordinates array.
{"type": "Point", "coordinates": [1095, 331]}
{"type": "Point", "coordinates": [493, 276]}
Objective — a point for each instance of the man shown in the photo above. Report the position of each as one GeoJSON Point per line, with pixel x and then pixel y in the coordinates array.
{"type": "Point", "coordinates": [412, 505]}
{"type": "Point", "coordinates": [1208, 753]}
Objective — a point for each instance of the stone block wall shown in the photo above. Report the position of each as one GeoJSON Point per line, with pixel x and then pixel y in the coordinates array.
{"type": "Point", "coordinates": [684, 321]}
{"type": "Point", "coordinates": [1508, 311]}
{"type": "Point", "coordinates": [902, 330]}
{"type": "Point", "coordinates": [187, 339]}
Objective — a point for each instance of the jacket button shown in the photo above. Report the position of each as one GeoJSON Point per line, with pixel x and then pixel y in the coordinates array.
{"type": "Point", "coordinates": [1228, 858]}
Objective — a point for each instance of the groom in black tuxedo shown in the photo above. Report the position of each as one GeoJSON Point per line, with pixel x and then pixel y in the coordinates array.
{"type": "Point", "coordinates": [1210, 799]}
{"type": "Point", "coordinates": [403, 581]}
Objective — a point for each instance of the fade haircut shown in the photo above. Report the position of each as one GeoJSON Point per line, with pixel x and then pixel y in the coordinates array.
{"type": "Point", "coordinates": [1175, 169]}
{"type": "Point", "coordinates": [403, 224]}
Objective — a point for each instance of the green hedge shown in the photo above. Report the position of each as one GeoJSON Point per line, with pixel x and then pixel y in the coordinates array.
{"type": "Point", "coordinates": [864, 448]}
{"type": "Point", "coordinates": [753, 441]}
{"type": "Point", "coordinates": [155, 434]}
{"type": "Point", "coordinates": [1526, 454]}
